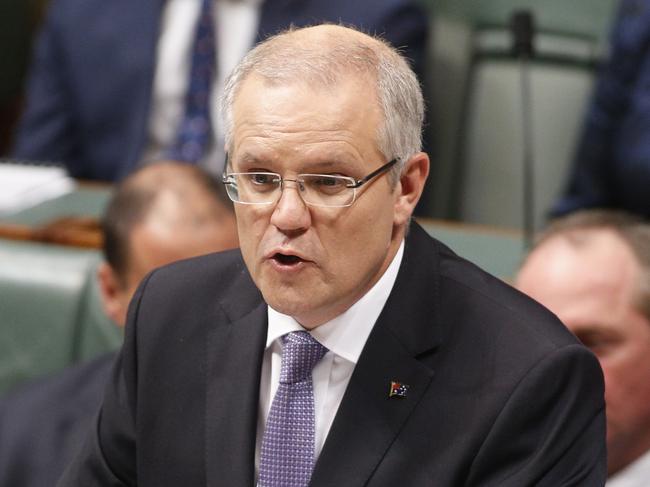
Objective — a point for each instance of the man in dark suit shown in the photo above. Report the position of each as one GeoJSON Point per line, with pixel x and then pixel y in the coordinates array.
{"type": "Point", "coordinates": [97, 99]}
{"type": "Point", "coordinates": [592, 269]}
{"type": "Point", "coordinates": [161, 213]}
{"type": "Point", "coordinates": [611, 166]}
{"type": "Point", "coordinates": [338, 348]}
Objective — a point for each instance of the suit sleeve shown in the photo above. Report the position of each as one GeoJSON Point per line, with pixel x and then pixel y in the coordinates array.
{"type": "Point", "coordinates": [46, 129]}
{"type": "Point", "coordinates": [407, 28]}
{"type": "Point", "coordinates": [551, 431]}
{"type": "Point", "coordinates": [108, 456]}
{"type": "Point", "coordinates": [619, 91]}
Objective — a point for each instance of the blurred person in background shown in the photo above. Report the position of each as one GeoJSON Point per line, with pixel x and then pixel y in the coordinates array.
{"type": "Point", "coordinates": [611, 168]}
{"type": "Point", "coordinates": [592, 269]}
{"type": "Point", "coordinates": [117, 84]}
{"type": "Point", "coordinates": [160, 214]}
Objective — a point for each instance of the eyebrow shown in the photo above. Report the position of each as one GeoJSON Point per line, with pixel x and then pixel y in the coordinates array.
{"type": "Point", "coordinates": [248, 158]}
{"type": "Point", "coordinates": [323, 165]}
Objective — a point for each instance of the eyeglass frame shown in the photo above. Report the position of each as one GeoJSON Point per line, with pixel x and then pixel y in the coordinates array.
{"type": "Point", "coordinates": [357, 183]}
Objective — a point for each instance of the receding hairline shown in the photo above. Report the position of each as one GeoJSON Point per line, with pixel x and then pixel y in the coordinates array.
{"type": "Point", "coordinates": [580, 228]}
{"type": "Point", "coordinates": [137, 197]}
{"type": "Point", "coordinates": [326, 37]}
{"type": "Point", "coordinates": [303, 50]}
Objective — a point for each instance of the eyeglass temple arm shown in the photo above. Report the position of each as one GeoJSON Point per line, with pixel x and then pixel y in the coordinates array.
{"type": "Point", "coordinates": [374, 173]}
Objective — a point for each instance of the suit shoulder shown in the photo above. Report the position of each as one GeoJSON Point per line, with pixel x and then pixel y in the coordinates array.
{"type": "Point", "coordinates": [219, 282]}
{"type": "Point", "coordinates": [43, 423]}
{"type": "Point", "coordinates": [220, 269]}
{"type": "Point", "coordinates": [508, 309]}
{"type": "Point", "coordinates": [480, 304]}
{"type": "Point", "coordinates": [83, 382]}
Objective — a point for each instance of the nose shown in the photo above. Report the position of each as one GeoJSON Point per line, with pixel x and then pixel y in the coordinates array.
{"type": "Point", "coordinates": [291, 212]}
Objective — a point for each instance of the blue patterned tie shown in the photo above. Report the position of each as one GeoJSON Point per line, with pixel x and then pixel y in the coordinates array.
{"type": "Point", "coordinates": [194, 131]}
{"type": "Point", "coordinates": [287, 457]}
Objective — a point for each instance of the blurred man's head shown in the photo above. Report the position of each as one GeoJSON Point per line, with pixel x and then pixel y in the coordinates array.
{"type": "Point", "coordinates": [592, 269]}
{"type": "Point", "coordinates": [162, 213]}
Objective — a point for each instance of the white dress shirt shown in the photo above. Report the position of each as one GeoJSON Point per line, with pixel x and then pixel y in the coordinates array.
{"type": "Point", "coordinates": [636, 474]}
{"type": "Point", "coordinates": [344, 337]}
{"type": "Point", "coordinates": [235, 28]}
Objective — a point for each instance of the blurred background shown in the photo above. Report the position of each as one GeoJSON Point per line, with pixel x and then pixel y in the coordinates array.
{"type": "Point", "coordinates": [508, 83]}
{"type": "Point", "coordinates": [474, 85]}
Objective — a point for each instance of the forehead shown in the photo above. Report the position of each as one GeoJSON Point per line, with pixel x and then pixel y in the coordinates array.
{"type": "Point", "coordinates": [178, 227]}
{"type": "Point", "coordinates": [287, 119]}
{"type": "Point", "coordinates": [593, 281]}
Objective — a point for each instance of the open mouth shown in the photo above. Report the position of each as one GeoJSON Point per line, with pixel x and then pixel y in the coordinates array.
{"type": "Point", "coordinates": [288, 260]}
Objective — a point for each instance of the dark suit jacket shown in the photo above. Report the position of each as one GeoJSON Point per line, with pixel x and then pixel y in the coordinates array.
{"type": "Point", "coordinates": [501, 394]}
{"type": "Point", "coordinates": [89, 92]}
{"type": "Point", "coordinates": [612, 163]}
{"type": "Point", "coordinates": [43, 424]}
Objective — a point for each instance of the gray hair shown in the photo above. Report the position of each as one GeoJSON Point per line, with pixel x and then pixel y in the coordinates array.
{"type": "Point", "coordinates": [291, 56]}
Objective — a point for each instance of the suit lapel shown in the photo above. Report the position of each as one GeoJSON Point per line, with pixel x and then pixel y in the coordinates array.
{"type": "Point", "coordinates": [368, 420]}
{"type": "Point", "coordinates": [235, 352]}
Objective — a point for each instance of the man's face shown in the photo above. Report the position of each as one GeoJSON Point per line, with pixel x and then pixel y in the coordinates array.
{"type": "Point", "coordinates": [158, 242]}
{"type": "Point", "coordinates": [169, 233]}
{"type": "Point", "coordinates": [312, 262]}
{"type": "Point", "coordinates": [591, 289]}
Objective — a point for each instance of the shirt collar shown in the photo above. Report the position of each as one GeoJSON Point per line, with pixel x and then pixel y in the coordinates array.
{"type": "Point", "coordinates": [636, 473]}
{"type": "Point", "coordinates": [346, 334]}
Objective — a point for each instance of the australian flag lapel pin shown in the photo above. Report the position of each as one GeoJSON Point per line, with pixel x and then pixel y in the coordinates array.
{"type": "Point", "coordinates": [398, 389]}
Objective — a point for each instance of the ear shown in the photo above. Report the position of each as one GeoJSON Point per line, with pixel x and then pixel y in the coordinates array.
{"type": "Point", "coordinates": [112, 293]}
{"type": "Point", "coordinates": [410, 187]}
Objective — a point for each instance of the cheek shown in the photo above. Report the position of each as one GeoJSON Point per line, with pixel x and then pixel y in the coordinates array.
{"type": "Point", "coordinates": [250, 228]}
{"type": "Point", "coordinates": [627, 383]}
{"type": "Point", "coordinates": [357, 250]}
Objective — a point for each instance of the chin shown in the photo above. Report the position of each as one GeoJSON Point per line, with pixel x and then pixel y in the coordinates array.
{"type": "Point", "coordinates": [287, 303]}
{"type": "Point", "coordinates": [298, 305]}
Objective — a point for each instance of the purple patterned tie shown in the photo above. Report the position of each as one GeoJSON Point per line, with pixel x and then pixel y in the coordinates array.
{"type": "Point", "coordinates": [287, 458]}
{"type": "Point", "coordinates": [194, 131]}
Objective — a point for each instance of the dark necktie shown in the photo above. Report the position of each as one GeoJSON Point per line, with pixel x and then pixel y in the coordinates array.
{"type": "Point", "coordinates": [288, 451]}
{"type": "Point", "coordinates": [194, 132]}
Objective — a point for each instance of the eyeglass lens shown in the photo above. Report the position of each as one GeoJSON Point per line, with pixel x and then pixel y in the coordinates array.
{"type": "Point", "coordinates": [315, 189]}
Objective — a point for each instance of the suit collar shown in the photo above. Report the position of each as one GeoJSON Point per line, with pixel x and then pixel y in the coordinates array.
{"type": "Point", "coordinates": [415, 297]}
{"type": "Point", "coordinates": [368, 420]}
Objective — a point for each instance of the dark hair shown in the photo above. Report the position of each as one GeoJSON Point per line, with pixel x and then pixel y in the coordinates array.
{"type": "Point", "coordinates": [633, 230]}
{"type": "Point", "coordinates": [133, 198]}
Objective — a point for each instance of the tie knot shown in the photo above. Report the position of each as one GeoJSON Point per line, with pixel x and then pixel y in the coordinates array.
{"type": "Point", "coordinates": [300, 353]}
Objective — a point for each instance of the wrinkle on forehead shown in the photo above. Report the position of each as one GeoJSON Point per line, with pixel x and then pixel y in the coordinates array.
{"type": "Point", "coordinates": [276, 121]}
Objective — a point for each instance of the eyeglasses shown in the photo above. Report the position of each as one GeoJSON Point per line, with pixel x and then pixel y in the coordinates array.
{"type": "Point", "coordinates": [265, 188]}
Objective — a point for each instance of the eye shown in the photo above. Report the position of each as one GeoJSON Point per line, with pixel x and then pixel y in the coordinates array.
{"type": "Point", "coordinates": [327, 181]}
{"type": "Point", "coordinates": [262, 178]}
{"type": "Point", "coordinates": [326, 184]}
{"type": "Point", "coordinates": [601, 344]}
